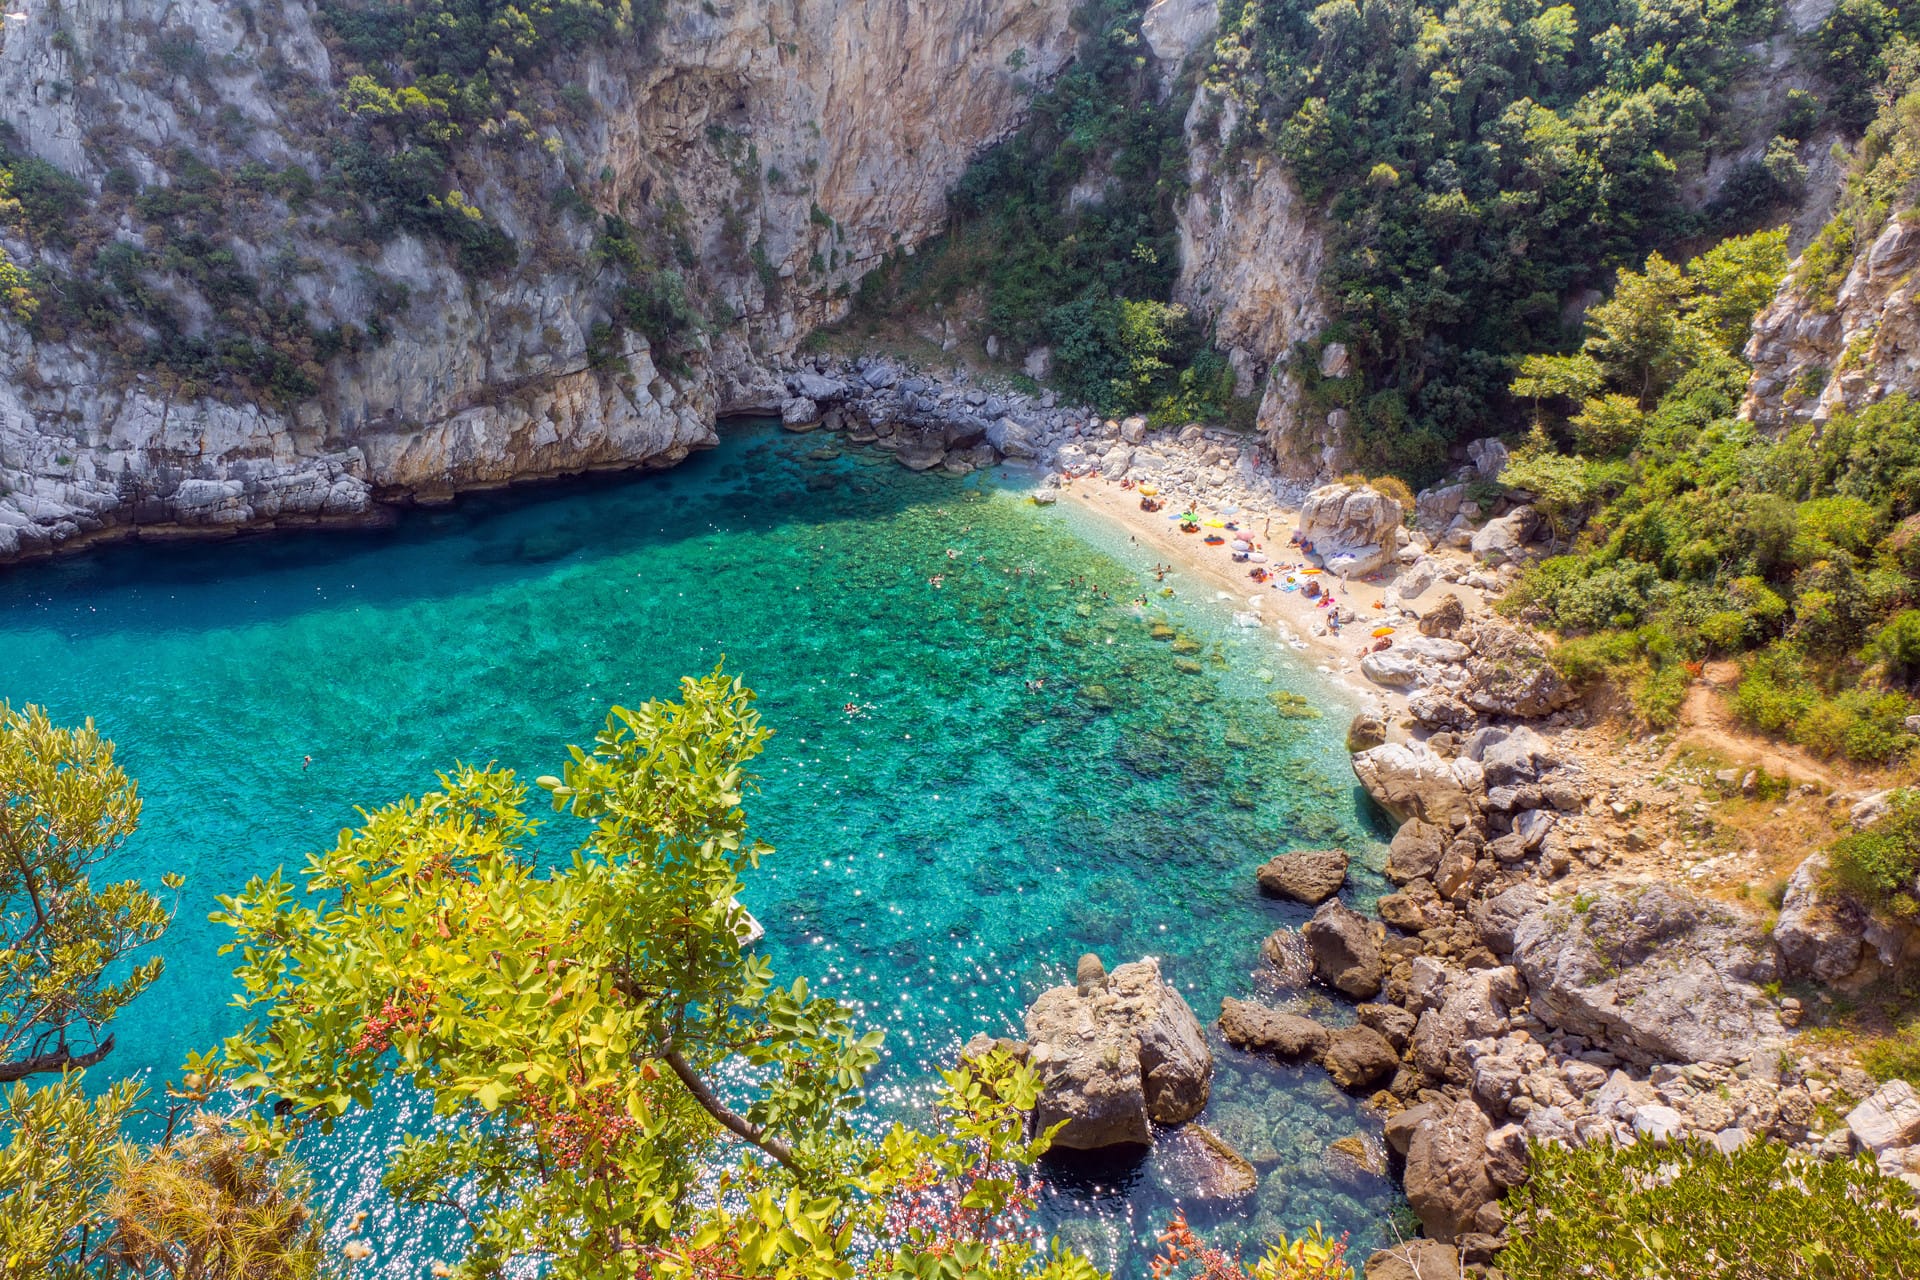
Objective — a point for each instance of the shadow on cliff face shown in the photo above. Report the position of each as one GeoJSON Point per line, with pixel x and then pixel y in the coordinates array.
{"type": "Point", "coordinates": [757, 479]}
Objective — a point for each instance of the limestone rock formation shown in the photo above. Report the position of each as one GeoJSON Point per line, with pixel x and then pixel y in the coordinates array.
{"type": "Point", "coordinates": [1813, 357]}
{"type": "Point", "coordinates": [1411, 780]}
{"type": "Point", "coordinates": [1250, 260]}
{"type": "Point", "coordinates": [1116, 1058]}
{"type": "Point", "coordinates": [1351, 528]}
{"type": "Point", "coordinates": [1652, 973]}
{"type": "Point", "coordinates": [867, 111]}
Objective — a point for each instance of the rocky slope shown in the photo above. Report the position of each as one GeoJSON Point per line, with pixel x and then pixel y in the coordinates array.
{"type": "Point", "coordinates": [1815, 355]}
{"type": "Point", "coordinates": [787, 147]}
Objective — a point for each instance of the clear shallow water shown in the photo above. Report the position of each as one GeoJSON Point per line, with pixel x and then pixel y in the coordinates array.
{"type": "Point", "coordinates": [941, 856]}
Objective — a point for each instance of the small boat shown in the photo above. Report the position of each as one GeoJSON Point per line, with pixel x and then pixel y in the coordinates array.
{"type": "Point", "coordinates": [1382, 631]}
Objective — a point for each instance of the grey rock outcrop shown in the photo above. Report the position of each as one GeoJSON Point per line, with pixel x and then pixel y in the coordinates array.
{"type": "Point", "coordinates": [1888, 1119]}
{"type": "Point", "coordinates": [1818, 934]}
{"type": "Point", "coordinates": [1511, 675]}
{"type": "Point", "coordinates": [1411, 780]}
{"type": "Point", "coordinates": [1114, 1061]}
{"type": "Point", "coordinates": [1351, 528]}
{"type": "Point", "coordinates": [1653, 973]}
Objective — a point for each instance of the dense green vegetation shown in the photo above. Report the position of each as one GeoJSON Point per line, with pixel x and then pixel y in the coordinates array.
{"type": "Point", "coordinates": [1483, 163]}
{"type": "Point", "coordinates": [1702, 537]}
{"type": "Point", "coordinates": [1683, 1211]}
{"type": "Point", "coordinates": [1089, 276]}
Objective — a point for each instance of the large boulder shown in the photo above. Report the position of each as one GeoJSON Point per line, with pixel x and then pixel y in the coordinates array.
{"type": "Point", "coordinates": [1415, 852]}
{"type": "Point", "coordinates": [1346, 950]}
{"type": "Point", "coordinates": [1504, 538]}
{"type": "Point", "coordinates": [1447, 1180]}
{"type": "Point", "coordinates": [1310, 875]}
{"type": "Point", "coordinates": [1819, 933]}
{"type": "Point", "coordinates": [1116, 1054]}
{"type": "Point", "coordinates": [1351, 528]}
{"type": "Point", "coordinates": [1446, 616]}
{"type": "Point", "coordinates": [1412, 780]}
{"type": "Point", "coordinates": [1511, 755]}
{"type": "Point", "coordinates": [1652, 973]}
{"type": "Point", "coordinates": [1509, 674]}
{"type": "Point", "coordinates": [1888, 1120]}
{"type": "Point", "coordinates": [1013, 438]}
{"type": "Point", "coordinates": [1258, 1029]}
{"type": "Point", "coordinates": [1358, 1058]}
{"type": "Point", "coordinates": [1414, 1260]}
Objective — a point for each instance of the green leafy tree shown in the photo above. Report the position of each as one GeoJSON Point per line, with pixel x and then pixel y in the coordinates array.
{"type": "Point", "coordinates": [64, 807]}
{"type": "Point", "coordinates": [215, 1198]}
{"type": "Point", "coordinates": [594, 1038]}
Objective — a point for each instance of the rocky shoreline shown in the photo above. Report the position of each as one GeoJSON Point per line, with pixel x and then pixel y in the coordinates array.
{"type": "Point", "coordinates": [1526, 981]}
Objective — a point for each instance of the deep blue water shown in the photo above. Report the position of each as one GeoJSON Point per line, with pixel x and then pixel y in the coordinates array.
{"type": "Point", "coordinates": [941, 856]}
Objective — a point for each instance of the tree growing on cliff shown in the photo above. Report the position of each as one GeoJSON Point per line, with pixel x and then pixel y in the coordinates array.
{"type": "Point", "coordinates": [622, 1086]}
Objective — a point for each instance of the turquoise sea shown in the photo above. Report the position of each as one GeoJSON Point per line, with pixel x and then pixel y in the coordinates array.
{"type": "Point", "coordinates": [1028, 773]}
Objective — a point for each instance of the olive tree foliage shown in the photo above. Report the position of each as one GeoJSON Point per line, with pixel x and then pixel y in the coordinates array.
{"type": "Point", "coordinates": [619, 1085]}
{"type": "Point", "coordinates": [64, 806]}
{"type": "Point", "coordinates": [215, 1197]}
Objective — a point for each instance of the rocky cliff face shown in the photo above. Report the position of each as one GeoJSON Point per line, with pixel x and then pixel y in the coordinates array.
{"type": "Point", "coordinates": [786, 146]}
{"type": "Point", "coordinates": [1251, 253]}
{"type": "Point", "coordinates": [1814, 355]}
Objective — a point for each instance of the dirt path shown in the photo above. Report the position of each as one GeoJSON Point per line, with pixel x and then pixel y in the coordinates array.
{"type": "Point", "coordinates": [1706, 721]}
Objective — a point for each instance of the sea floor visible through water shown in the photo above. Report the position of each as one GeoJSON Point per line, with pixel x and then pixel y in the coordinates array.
{"type": "Point", "coordinates": [1028, 772]}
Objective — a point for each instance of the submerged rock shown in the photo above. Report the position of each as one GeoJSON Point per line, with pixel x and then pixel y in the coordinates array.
{"type": "Point", "coordinates": [1194, 1163]}
{"type": "Point", "coordinates": [1116, 1057]}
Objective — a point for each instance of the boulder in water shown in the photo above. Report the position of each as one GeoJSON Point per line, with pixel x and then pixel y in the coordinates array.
{"type": "Point", "coordinates": [1194, 1163]}
{"type": "Point", "coordinates": [1113, 1062]}
{"type": "Point", "coordinates": [1258, 1029]}
{"type": "Point", "coordinates": [1346, 950]}
{"type": "Point", "coordinates": [1310, 875]}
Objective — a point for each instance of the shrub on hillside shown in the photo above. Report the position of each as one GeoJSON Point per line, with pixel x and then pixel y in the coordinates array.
{"type": "Point", "coordinates": [1686, 1212]}
{"type": "Point", "coordinates": [1879, 863]}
